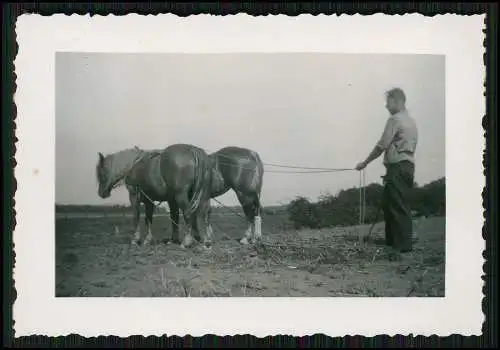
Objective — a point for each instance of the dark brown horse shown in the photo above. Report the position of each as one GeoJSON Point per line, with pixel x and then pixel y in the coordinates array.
{"type": "Point", "coordinates": [180, 174]}
{"type": "Point", "coordinates": [241, 170]}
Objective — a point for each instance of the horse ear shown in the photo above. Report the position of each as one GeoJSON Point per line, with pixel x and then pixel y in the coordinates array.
{"type": "Point", "coordinates": [101, 158]}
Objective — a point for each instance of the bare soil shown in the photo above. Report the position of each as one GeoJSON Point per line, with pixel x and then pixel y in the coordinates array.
{"type": "Point", "coordinates": [94, 258]}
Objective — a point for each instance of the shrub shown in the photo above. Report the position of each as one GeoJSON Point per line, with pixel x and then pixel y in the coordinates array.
{"type": "Point", "coordinates": [344, 208]}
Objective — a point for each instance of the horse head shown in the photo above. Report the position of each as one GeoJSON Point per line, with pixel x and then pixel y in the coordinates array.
{"type": "Point", "coordinates": [113, 168]}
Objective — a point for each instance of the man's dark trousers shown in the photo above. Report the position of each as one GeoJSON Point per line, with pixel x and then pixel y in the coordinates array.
{"type": "Point", "coordinates": [398, 182]}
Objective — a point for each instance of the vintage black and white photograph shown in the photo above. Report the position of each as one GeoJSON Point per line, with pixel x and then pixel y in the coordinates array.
{"type": "Point", "coordinates": [319, 169]}
{"type": "Point", "coordinates": [202, 175]}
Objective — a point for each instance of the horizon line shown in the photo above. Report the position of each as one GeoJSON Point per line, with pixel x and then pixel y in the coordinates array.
{"type": "Point", "coordinates": [237, 204]}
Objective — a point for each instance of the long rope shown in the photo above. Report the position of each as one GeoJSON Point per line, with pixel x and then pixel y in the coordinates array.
{"type": "Point", "coordinates": [305, 170]}
{"type": "Point", "coordinates": [362, 197]}
{"type": "Point", "coordinates": [316, 169]}
{"type": "Point", "coordinates": [362, 193]}
{"type": "Point", "coordinates": [312, 170]}
{"type": "Point", "coordinates": [362, 202]}
{"type": "Point", "coordinates": [309, 168]}
{"type": "Point", "coordinates": [287, 166]}
{"type": "Point", "coordinates": [229, 208]}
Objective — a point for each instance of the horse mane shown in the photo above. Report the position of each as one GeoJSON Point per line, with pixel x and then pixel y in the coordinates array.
{"type": "Point", "coordinates": [116, 162]}
{"type": "Point", "coordinates": [98, 168]}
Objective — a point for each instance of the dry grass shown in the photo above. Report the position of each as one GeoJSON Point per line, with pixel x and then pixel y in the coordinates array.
{"type": "Point", "coordinates": [94, 258]}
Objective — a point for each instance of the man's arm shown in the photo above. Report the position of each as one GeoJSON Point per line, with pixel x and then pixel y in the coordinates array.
{"type": "Point", "coordinates": [374, 154]}
{"type": "Point", "coordinates": [382, 144]}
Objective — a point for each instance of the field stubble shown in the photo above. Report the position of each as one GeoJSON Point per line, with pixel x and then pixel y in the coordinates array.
{"type": "Point", "coordinates": [94, 259]}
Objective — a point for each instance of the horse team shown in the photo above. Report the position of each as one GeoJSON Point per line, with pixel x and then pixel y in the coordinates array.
{"type": "Point", "coordinates": [186, 177]}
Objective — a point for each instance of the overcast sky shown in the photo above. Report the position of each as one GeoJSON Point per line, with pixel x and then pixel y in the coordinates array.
{"type": "Point", "coordinates": [316, 110]}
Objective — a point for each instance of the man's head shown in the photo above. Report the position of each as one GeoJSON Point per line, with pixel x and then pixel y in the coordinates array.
{"type": "Point", "coordinates": [395, 100]}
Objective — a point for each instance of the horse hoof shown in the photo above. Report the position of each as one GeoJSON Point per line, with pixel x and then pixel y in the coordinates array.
{"type": "Point", "coordinates": [174, 241]}
{"type": "Point", "coordinates": [244, 241]}
{"type": "Point", "coordinates": [205, 249]}
{"type": "Point", "coordinates": [135, 243]}
{"type": "Point", "coordinates": [187, 245]}
{"type": "Point", "coordinates": [206, 245]}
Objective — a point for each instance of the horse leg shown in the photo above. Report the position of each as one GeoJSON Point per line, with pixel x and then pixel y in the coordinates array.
{"type": "Point", "coordinates": [197, 224]}
{"type": "Point", "coordinates": [134, 201]}
{"type": "Point", "coordinates": [183, 202]}
{"type": "Point", "coordinates": [148, 220]}
{"type": "Point", "coordinates": [247, 205]}
{"type": "Point", "coordinates": [257, 218]}
{"type": "Point", "coordinates": [174, 217]}
{"type": "Point", "coordinates": [201, 225]}
{"type": "Point", "coordinates": [208, 218]}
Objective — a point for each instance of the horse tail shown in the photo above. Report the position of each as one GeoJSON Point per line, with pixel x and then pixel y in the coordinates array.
{"type": "Point", "coordinates": [202, 180]}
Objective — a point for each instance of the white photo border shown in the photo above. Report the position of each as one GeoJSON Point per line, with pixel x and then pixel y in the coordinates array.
{"type": "Point", "coordinates": [36, 309]}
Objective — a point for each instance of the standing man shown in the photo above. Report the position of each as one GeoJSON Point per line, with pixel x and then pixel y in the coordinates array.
{"type": "Point", "coordinates": [398, 143]}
